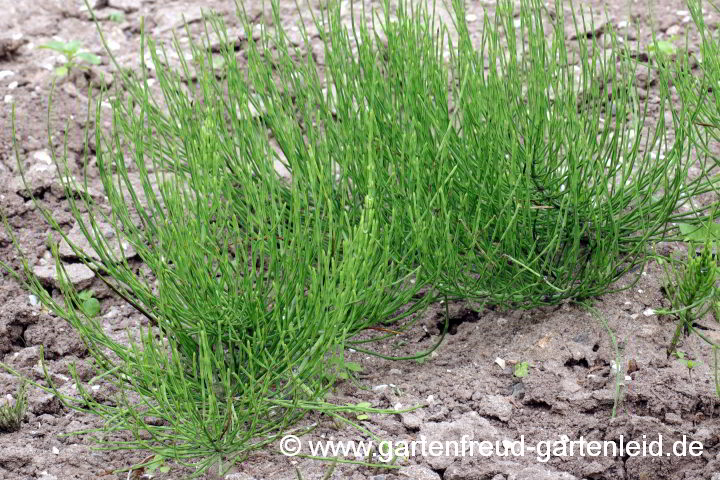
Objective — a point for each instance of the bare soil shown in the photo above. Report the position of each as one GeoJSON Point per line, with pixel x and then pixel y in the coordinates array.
{"type": "Point", "coordinates": [465, 389]}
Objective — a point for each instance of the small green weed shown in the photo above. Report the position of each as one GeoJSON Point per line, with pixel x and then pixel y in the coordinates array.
{"type": "Point", "coordinates": [522, 369]}
{"type": "Point", "coordinates": [117, 17]}
{"type": "Point", "coordinates": [11, 416]}
{"type": "Point", "coordinates": [363, 416]}
{"type": "Point", "coordinates": [663, 48]}
{"type": "Point", "coordinates": [89, 305]}
{"type": "Point", "coordinates": [709, 232]}
{"type": "Point", "coordinates": [685, 360]}
{"type": "Point", "coordinates": [691, 288]}
{"type": "Point", "coordinates": [340, 368]}
{"type": "Point", "coordinates": [74, 55]}
{"type": "Point", "coordinates": [157, 465]}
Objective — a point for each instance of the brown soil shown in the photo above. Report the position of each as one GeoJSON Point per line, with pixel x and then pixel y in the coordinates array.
{"type": "Point", "coordinates": [571, 386]}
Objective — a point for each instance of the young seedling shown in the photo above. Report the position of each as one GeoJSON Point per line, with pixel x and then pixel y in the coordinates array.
{"type": "Point", "coordinates": [691, 290]}
{"type": "Point", "coordinates": [522, 369]}
{"type": "Point", "coordinates": [158, 464]}
{"type": "Point", "coordinates": [700, 233]}
{"type": "Point", "coordinates": [89, 305]}
{"type": "Point", "coordinates": [74, 55]}
{"type": "Point", "coordinates": [117, 17]}
{"type": "Point", "coordinates": [12, 415]}
{"type": "Point", "coordinates": [685, 360]}
{"type": "Point", "coordinates": [341, 369]}
{"type": "Point", "coordinates": [363, 416]}
{"type": "Point", "coordinates": [664, 48]}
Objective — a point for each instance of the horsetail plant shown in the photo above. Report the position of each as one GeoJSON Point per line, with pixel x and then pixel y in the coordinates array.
{"type": "Point", "coordinates": [701, 91]}
{"type": "Point", "coordinates": [503, 172]}
{"type": "Point", "coordinates": [691, 288]}
{"type": "Point", "coordinates": [13, 412]}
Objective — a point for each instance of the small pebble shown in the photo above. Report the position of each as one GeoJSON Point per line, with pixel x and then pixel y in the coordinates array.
{"type": "Point", "coordinates": [673, 30]}
{"type": "Point", "coordinates": [42, 156]}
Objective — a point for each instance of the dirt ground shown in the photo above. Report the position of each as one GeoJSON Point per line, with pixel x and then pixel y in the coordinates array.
{"type": "Point", "coordinates": [467, 386]}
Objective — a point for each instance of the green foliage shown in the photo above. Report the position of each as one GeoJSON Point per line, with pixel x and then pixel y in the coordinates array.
{"type": "Point", "coordinates": [682, 357]}
{"type": "Point", "coordinates": [691, 288]}
{"type": "Point", "coordinates": [253, 280]}
{"type": "Point", "coordinates": [90, 305]}
{"type": "Point", "coordinates": [525, 185]}
{"type": "Point", "coordinates": [74, 55]}
{"type": "Point", "coordinates": [117, 17]}
{"type": "Point", "coordinates": [11, 416]}
{"type": "Point", "coordinates": [700, 92]}
{"type": "Point", "coordinates": [339, 368]}
{"type": "Point", "coordinates": [709, 232]}
{"type": "Point", "coordinates": [663, 48]}
{"type": "Point", "coordinates": [504, 174]}
{"type": "Point", "coordinates": [157, 464]}
{"type": "Point", "coordinates": [522, 369]}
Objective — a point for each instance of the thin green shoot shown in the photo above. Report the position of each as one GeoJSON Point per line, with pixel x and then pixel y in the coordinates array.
{"type": "Point", "coordinates": [75, 56]}
{"type": "Point", "coordinates": [12, 413]}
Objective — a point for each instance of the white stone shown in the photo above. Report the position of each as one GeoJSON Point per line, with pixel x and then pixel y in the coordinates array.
{"type": "Point", "coordinates": [78, 274]}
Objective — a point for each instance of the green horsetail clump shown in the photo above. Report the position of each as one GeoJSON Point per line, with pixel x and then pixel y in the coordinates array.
{"type": "Point", "coordinates": [12, 413]}
{"type": "Point", "coordinates": [510, 169]}
{"type": "Point", "coordinates": [701, 91]}
{"type": "Point", "coordinates": [527, 168]}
